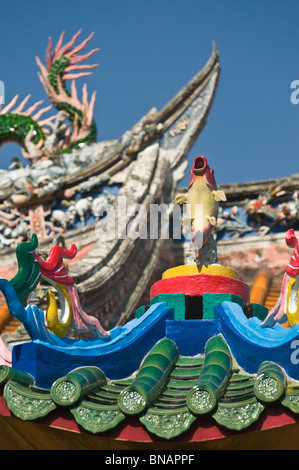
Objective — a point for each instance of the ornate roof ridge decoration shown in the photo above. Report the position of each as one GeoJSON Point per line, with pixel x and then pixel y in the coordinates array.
{"type": "Point", "coordinates": [111, 156]}
{"type": "Point", "coordinates": [62, 197]}
{"type": "Point", "coordinates": [256, 187]}
{"type": "Point", "coordinates": [259, 208]}
{"type": "Point", "coordinates": [43, 139]}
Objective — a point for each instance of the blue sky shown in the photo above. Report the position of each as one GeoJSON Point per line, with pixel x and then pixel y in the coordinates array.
{"type": "Point", "coordinates": [150, 49]}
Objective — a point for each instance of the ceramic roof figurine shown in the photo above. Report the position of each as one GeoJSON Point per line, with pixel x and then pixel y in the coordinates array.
{"type": "Point", "coordinates": [286, 310]}
{"type": "Point", "coordinates": [202, 202]}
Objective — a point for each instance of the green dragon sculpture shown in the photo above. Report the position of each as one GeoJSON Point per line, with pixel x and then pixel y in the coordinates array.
{"type": "Point", "coordinates": [74, 125]}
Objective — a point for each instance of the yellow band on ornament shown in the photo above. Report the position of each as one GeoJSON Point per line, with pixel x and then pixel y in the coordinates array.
{"type": "Point", "coordinates": [191, 269]}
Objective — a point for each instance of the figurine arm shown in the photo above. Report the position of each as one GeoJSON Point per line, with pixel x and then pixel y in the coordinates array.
{"type": "Point", "coordinates": [180, 199]}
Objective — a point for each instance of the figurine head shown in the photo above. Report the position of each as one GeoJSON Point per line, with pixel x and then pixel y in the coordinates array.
{"type": "Point", "coordinates": [200, 167]}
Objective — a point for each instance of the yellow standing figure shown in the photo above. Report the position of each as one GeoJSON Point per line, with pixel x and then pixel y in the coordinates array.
{"type": "Point", "coordinates": [202, 205]}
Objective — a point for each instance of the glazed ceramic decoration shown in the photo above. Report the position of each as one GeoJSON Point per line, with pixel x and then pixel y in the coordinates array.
{"type": "Point", "coordinates": [200, 348]}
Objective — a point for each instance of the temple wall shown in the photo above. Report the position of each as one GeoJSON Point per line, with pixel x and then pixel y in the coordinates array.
{"type": "Point", "coordinates": [249, 255]}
